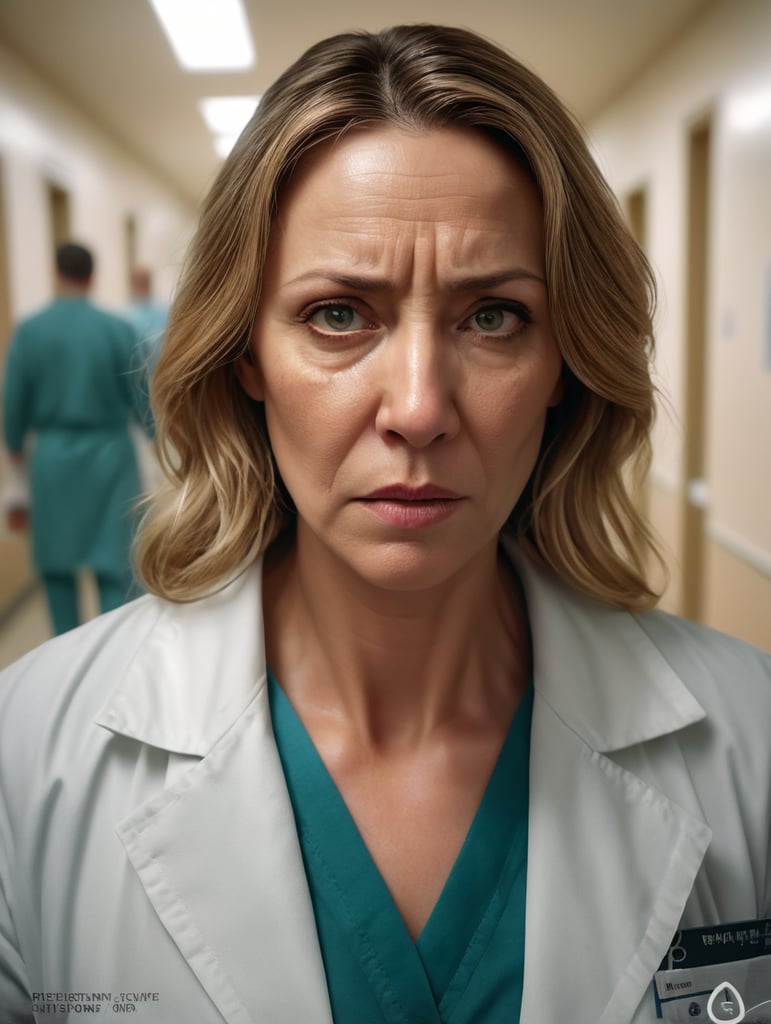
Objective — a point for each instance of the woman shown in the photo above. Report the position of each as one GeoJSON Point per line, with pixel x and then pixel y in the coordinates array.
{"type": "Point", "coordinates": [396, 739]}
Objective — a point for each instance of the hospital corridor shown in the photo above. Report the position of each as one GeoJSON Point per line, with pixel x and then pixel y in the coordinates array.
{"type": "Point", "coordinates": [110, 139]}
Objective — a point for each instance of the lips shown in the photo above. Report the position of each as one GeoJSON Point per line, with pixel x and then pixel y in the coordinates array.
{"type": "Point", "coordinates": [405, 493]}
{"type": "Point", "coordinates": [402, 507]}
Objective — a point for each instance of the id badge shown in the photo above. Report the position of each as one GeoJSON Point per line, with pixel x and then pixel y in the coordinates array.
{"type": "Point", "coordinates": [717, 974]}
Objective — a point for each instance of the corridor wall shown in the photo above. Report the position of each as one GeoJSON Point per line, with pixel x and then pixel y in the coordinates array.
{"type": "Point", "coordinates": [45, 143]}
{"type": "Point", "coordinates": [715, 79]}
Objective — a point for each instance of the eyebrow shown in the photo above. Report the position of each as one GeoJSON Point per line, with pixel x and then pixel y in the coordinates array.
{"type": "Point", "coordinates": [463, 284]}
{"type": "Point", "coordinates": [469, 284]}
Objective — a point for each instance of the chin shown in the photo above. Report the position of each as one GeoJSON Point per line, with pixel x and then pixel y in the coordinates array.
{"type": "Point", "coordinates": [407, 566]}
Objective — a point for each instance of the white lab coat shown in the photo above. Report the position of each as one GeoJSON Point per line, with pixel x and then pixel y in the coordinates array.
{"type": "Point", "coordinates": [147, 843]}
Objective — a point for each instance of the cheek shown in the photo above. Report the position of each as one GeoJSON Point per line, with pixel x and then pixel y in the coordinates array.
{"type": "Point", "coordinates": [309, 428]}
{"type": "Point", "coordinates": [294, 431]}
{"type": "Point", "coordinates": [518, 445]}
{"type": "Point", "coordinates": [514, 415]}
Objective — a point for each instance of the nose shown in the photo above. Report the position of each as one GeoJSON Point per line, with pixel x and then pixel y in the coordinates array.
{"type": "Point", "coordinates": [418, 388]}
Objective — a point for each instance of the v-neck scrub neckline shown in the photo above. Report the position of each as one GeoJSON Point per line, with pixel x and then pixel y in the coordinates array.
{"type": "Point", "coordinates": [467, 963]}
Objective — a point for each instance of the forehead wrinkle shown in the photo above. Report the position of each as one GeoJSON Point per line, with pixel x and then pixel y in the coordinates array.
{"type": "Point", "coordinates": [435, 247]}
{"type": "Point", "coordinates": [415, 180]}
{"type": "Point", "coordinates": [385, 218]}
{"type": "Point", "coordinates": [412, 209]}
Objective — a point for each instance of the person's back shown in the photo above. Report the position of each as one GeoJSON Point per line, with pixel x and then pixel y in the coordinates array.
{"type": "Point", "coordinates": [70, 386]}
{"type": "Point", "coordinates": [81, 357]}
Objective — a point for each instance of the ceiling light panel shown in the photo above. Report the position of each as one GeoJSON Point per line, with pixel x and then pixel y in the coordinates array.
{"type": "Point", "coordinates": [227, 115]}
{"type": "Point", "coordinates": [223, 144]}
{"type": "Point", "coordinates": [207, 35]}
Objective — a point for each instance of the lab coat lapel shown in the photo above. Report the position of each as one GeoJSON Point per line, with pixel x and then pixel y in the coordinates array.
{"type": "Point", "coordinates": [611, 861]}
{"type": "Point", "coordinates": [218, 857]}
{"type": "Point", "coordinates": [217, 850]}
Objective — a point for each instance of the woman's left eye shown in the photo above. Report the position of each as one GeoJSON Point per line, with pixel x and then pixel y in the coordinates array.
{"type": "Point", "coordinates": [498, 321]}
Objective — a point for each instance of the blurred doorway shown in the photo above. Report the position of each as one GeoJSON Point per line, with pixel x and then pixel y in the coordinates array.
{"type": "Point", "coordinates": [695, 493]}
{"type": "Point", "coordinates": [130, 246]}
{"type": "Point", "coordinates": [5, 290]}
{"type": "Point", "coordinates": [58, 213]}
{"type": "Point", "coordinates": [636, 210]}
{"type": "Point", "coordinates": [637, 215]}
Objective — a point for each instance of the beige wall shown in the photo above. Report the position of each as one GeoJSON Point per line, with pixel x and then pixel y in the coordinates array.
{"type": "Point", "coordinates": [729, 575]}
{"type": "Point", "coordinates": [44, 139]}
{"type": "Point", "coordinates": [721, 69]}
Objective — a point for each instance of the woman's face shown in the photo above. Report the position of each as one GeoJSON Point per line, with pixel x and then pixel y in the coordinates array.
{"type": "Point", "coordinates": [403, 349]}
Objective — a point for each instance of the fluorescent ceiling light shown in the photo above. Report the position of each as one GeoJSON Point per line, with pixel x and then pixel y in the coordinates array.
{"type": "Point", "coordinates": [207, 35]}
{"type": "Point", "coordinates": [227, 115]}
{"type": "Point", "coordinates": [751, 111]}
{"type": "Point", "coordinates": [223, 144]}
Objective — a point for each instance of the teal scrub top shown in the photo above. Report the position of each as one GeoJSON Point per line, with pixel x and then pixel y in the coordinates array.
{"type": "Point", "coordinates": [148, 319]}
{"type": "Point", "coordinates": [69, 383]}
{"type": "Point", "coordinates": [467, 964]}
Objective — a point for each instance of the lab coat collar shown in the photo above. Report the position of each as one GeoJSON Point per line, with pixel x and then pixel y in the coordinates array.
{"type": "Point", "coordinates": [238, 909]}
{"type": "Point", "coordinates": [202, 662]}
{"type": "Point", "coordinates": [195, 671]}
{"type": "Point", "coordinates": [217, 854]}
{"type": "Point", "coordinates": [597, 668]}
{"type": "Point", "coordinates": [611, 860]}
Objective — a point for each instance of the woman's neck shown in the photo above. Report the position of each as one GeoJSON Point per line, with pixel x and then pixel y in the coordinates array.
{"type": "Point", "coordinates": [395, 668]}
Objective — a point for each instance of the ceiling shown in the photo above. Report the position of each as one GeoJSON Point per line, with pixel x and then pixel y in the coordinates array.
{"type": "Point", "coordinates": [111, 58]}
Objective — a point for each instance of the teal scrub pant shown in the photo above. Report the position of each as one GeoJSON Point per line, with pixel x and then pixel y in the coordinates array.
{"type": "Point", "coordinates": [62, 596]}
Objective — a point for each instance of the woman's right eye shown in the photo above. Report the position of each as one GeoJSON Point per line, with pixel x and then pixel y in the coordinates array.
{"type": "Point", "coordinates": [337, 318]}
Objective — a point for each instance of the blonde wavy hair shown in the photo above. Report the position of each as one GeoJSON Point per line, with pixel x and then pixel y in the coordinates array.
{"type": "Point", "coordinates": [223, 502]}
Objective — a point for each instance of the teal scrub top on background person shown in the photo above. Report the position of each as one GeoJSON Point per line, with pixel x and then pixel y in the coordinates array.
{"type": "Point", "coordinates": [467, 964]}
{"type": "Point", "coordinates": [69, 383]}
{"type": "Point", "coordinates": [148, 318]}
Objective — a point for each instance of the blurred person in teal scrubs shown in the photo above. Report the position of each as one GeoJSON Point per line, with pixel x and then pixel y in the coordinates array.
{"type": "Point", "coordinates": [148, 316]}
{"type": "Point", "coordinates": [70, 395]}
{"type": "Point", "coordinates": [146, 313]}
